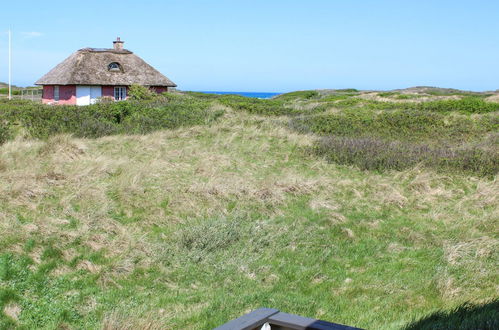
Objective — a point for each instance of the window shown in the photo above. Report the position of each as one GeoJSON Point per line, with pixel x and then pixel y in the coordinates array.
{"type": "Point", "coordinates": [56, 93]}
{"type": "Point", "coordinates": [119, 93]}
{"type": "Point", "coordinates": [114, 66]}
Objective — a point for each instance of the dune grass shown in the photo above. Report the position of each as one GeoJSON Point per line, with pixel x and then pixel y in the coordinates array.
{"type": "Point", "coordinates": [193, 226]}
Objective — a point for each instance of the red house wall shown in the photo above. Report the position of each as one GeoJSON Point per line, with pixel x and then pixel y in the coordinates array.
{"type": "Point", "coordinates": [67, 94]}
{"type": "Point", "coordinates": [108, 91]}
{"type": "Point", "coordinates": [159, 89]}
{"type": "Point", "coordinates": [48, 94]}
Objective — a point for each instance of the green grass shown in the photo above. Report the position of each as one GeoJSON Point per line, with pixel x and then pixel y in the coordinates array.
{"type": "Point", "coordinates": [191, 224]}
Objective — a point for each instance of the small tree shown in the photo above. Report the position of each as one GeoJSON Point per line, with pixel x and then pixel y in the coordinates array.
{"type": "Point", "coordinates": [138, 92]}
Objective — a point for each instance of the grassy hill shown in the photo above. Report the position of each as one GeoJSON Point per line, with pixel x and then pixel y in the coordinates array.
{"type": "Point", "coordinates": [185, 211]}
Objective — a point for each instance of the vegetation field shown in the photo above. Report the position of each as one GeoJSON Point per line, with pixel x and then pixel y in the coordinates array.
{"type": "Point", "coordinates": [32, 93]}
{"type": "Point", "coordinates": [184, 211]}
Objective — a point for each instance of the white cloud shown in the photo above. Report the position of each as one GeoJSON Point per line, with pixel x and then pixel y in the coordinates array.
{"type": "Point", "coordinates": [32, 34]}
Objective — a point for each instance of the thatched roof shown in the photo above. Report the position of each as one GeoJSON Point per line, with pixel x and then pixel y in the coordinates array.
{"type": "Point", "coordinates": [90, 66]}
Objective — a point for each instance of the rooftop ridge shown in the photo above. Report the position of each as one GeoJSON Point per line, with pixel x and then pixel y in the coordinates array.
{"type": "Point", "coordinates": [105, 50]}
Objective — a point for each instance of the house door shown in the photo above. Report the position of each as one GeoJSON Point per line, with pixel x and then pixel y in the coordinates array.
{"type": "Point", "coordinates": [83, 95]}
{"type": "Point", "coordinates": [95, 93]}
{"type": "Point", "coordinates": [86, 95]}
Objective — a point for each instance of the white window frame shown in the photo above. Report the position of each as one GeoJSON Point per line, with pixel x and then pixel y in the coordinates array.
{"type": "Point", "coordinates": [114, 66]}
{"type": "Point", "coordinates": [119, 93]}
{"type": "Point", "coordinates": [56, 93]}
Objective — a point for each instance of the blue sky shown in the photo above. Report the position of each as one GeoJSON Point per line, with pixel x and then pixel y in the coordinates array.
{"type": "Point", "coordinates": [272, 46]}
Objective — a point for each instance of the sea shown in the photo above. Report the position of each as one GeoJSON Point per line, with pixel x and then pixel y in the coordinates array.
{"type": "Point", "coordinates": [260, 95]}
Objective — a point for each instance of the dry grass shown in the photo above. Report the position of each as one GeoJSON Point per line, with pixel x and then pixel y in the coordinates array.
{"type": "Point", "coordinates": [121, 198]}
{"type": "Point", "coordinates": [12, 311]}
{"type": "Point", "coordinates": [190, 176]}
{"type": "Point", "coordinates": [470, 251]}
{"type": "Point", "coordinates": [375, 96]}
{"type": "Point", "coordinates": [493, 98]}
{"type": "Point", "coordinates": [122, 321]}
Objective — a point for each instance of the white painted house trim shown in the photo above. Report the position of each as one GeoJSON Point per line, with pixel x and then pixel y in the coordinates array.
{"type": "Point", "coordinates": [95, 93]}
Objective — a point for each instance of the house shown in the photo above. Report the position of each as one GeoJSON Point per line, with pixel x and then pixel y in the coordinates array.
{"type": "Point", "coordinates": [91, 73]}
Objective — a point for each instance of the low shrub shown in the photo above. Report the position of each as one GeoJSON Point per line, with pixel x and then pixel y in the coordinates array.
{"type": "Point", "coordinates": [210, 236]}
{"type": "Point", "coordinates": [347, 90]}
{"type": "Point", "coordinates": [169, 117]}
{"type": "Point", "coordinates": [106, 118]}
{"type": "Point", "coordinates": [380, 155]}
{"type": "Point", "coordinates": [5, 131]}
{"type": "Point", "coordinates": [305, 95]}
{"type": "Point", "coordinates": [202, 95]}
{"type": "Point", "coordinates": [202, 241]}
{"type": "Point", "coordinates": [452, 92]}
{"type": "Point", "coordinates": [6, 91]}
{"type": "Point", "coordinates": [470, 104]}
{"type": "Point", "coordinates": [405, 125]}
{"type": "Point", "coordinates": [467, 104]}
{"type": "Point", "coordinates": [388, 94]}
{"type": "Point", "coordinates": [339, 97]}
{"type": "Point", "coordinates": [275, 107]}
{"type": "Point", "coordinates": [139, 92]}
{"type": "Point", "coordinates": [400, 96]}
{"type": "Point", "coordinates": [408, 96]}
{"type": "Point", "coordinates": [42, 121]}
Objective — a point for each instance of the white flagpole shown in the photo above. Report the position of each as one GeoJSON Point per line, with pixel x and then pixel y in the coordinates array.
{"type": "Point", "coordinates": [10, 66]}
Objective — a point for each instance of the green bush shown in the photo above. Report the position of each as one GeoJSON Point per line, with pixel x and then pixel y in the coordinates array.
{"type": "Point", "coordinates": [400, 96]}
{"type": "Point", "coordinates": [404, 125]}
{"type": "Point", "coordinates": [201, 95]}
{"type": "Point", "coordinates": [347, 90]}
{"type": "Point", "coordinates": [340, 97]}
{"type": "Point", "coordinates": [5, 131]}
{"type": "Point", "coordinates": [6, 91]}
{"type": "Point", "coordinates": [471, 104]}
{"type": "Point", "coordinates": [388, 94]}
{"type": "Point", "coordinates": [139, 92]}
{"type": "Point", "coordinates": [169, 116]}
{"type": "Point", "coordinates": [269, 107]}
{"type": "Point", "coordinates": [256, 106]}
{"type": "Point", "coordinates": [127, 117]}
{"type": "Point", "coordinates": [305, 95]}
{"type": "Point", "coordinates": [466, 104]}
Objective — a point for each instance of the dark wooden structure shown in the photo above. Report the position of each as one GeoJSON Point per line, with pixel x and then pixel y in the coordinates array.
{"type": "Point", "coordinates": [279, 321]}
